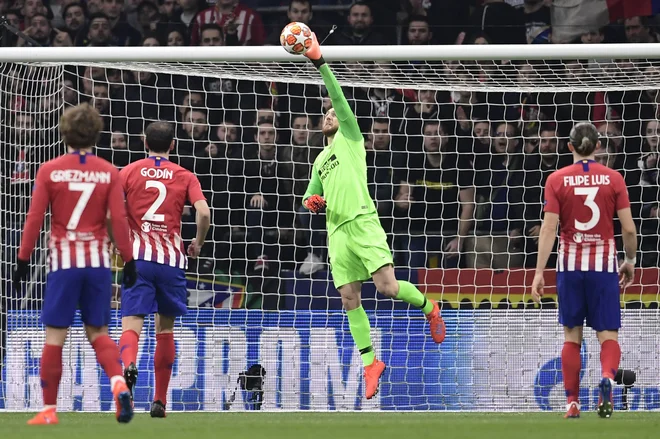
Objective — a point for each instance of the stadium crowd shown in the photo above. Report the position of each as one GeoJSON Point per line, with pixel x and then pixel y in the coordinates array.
{"type": "Point", "coordinates": [457, 177]}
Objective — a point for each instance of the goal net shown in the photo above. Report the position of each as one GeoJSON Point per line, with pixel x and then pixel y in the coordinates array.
{"type": "Point", "coordinates": [458, 149]}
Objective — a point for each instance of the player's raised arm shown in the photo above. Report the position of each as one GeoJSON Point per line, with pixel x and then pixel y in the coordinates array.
{"type": "Point", "coordinates": [33, 223]}
{"type": "Point", "coordinates": [347, 122]}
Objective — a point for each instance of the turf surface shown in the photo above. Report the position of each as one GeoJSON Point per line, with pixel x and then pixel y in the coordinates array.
{"type": "Point", "coordinates": [381, 425]}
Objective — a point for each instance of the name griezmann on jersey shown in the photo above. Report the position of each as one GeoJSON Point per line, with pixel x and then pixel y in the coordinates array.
{"type": "Point", "coordinates": [77, 176]}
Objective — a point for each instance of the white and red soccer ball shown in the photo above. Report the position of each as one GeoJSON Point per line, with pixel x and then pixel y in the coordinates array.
{"type": "Point", "coordinates": [296, 38]}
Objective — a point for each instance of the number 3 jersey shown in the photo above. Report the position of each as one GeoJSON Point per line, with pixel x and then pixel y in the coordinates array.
{"type": "Point", "coordinates": [156, 192]}
{"type": "Point", "coordinates": [80, 190]}
{"type": "Point", "coordinates": [586, 196]}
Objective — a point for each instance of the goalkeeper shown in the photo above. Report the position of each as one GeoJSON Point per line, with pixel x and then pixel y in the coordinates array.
{"type": "Point", "coordinates": [357, 244]}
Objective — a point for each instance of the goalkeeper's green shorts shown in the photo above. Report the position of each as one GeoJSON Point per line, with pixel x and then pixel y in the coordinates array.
{"type": "Point", "coordinates": [357, 249]}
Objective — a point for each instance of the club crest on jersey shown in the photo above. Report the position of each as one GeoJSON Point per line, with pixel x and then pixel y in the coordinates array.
{"type": "Point", "coordinates": [146, 227]}
{"type": "Point", "coordinates": [578, 237]}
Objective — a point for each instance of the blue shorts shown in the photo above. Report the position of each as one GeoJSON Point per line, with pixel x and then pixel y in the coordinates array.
{"type": "Point", "coordinates": [89, 289]}
{"type": "Point", "coordinates": [589, 295]}
{"type": "Point", "coordinates": [159, 288]}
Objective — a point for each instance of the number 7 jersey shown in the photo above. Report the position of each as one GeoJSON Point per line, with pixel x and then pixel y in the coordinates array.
{"type": "Point", "coordinates": [156, 192]}
{"type": "Point", "coordinates": [586, 196]}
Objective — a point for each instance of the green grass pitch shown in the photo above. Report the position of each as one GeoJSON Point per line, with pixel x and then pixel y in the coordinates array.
{"type": "Point", "coordinates": [382, 425]}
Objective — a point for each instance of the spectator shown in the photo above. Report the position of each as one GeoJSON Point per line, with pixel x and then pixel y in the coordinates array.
{"type": "Point", "coordinates": [99, 33]}
{"type": "Point", "coordinates": [30, 9]}
{"type": "Point", "coordinates": [9, 39]}
{"type": "Point", "coordinates": [360, 28]}
{"type": "Point", "coordinates": [234, 18]}
{"type": "Point", "coordinates": [435, 201]}
{"type": "Point", "coordinates": [300, 10]}
{"type": "Point", "coordinates": [150, 40]}
{"type": "Point", "coordinates": [70, 91]}
{"type": "Point", "coordinates": [75, 19]}
{"type": "Point", "coordinates": [606, 154]}
{"type": "Point", "coordinates": [482, 138]}
{"type": "Point", "coordinates": [168, 10]}
{"type": "Point", "coordinates": [189, 10]}
{"type": "Point", "coordinates": [537, 170]}
{"type": "Point", "coordinates": [418, 31]}
{"type": "Point", "coordinates": [40, 30]}
{"type": "Point", "coordinates": [638, 30]}
{"type": "Point", "coordinates": [448, 18]}
{"type": "Point", "coordinates": [123, 34]}
{"type": "Point", "coordinates": [537, 20]}
{"type": "Point", "coordinates": [380, 162]}
{"type": "Point", "coordinates": [593, 36]}
{"type": "Point", "coordinates": [499, 203]}
{"type": "Point", "coordinates": [303, 153]}
{"type": "Point", "coordinates": [176, 37]}
{"type": "Point", "coordinates": [211, 35]}
{"type": "Point", "coordinates": [261, 199]}
{"type": "Point", "coordinates": [148, 16]}
{"type": "Point", "coordinates": [503, 23]}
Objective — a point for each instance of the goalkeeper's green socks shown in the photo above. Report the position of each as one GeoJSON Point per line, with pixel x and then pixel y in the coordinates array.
{"type": "Point", "coordinates": [358, 322]}
{"type": "Point", "coordinates": [410, 294]}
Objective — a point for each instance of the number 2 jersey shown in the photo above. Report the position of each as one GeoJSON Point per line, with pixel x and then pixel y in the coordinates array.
{"type": "Point", "coordinates": [80, 190]}
{"type": "Point", "coordinates": [586, 196]}
{"type": "Point", "coordinates": [156, 192]}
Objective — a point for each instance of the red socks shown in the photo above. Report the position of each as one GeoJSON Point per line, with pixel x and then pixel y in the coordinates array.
{"type": "Point", "coordinates": [128, 347]}
{"type": "Point", "coordinates": [107, 355]}
{"type": "Point", "coordinates": [163, 362]}
{"type": "Point", "coordinates": [51, 373]}
{"type": "Point", "coordinates": [571, 363]}
{"type": "Point", "coordinates": [610, 355]}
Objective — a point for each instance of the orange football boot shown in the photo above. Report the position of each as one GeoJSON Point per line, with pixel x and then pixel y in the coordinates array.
{"type": "Point", "coordinates": [572, 410]}
{"type": "Point", "coordinates": [45, 417]}
{"type": "Point", "coordinates": [372, 375]}
{"type": "Point", "coordinates": [123, 402]}
{"type": "Point", "coordinates": [438, 327]}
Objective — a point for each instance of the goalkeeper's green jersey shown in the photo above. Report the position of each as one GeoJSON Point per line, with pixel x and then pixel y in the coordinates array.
{"type": "Point", "coordinates": [340, 170]}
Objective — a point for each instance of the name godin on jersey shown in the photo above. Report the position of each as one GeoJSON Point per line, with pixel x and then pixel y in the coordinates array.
{"type": "Point", "coordinates": [161, 174]}
{"type": "Point", "coordinates": [328, 166]}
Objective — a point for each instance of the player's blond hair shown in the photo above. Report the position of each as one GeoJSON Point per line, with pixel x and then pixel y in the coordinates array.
{"type": "Point", "coordinates": [80, 126]}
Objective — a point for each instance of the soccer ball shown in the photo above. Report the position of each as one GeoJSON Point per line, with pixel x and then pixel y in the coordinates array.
{"type": "Point", "coordinates": [296, 38]}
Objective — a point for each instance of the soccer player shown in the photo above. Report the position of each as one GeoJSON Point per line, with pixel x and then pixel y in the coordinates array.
{"type": "Point", "coordinates": [357, 244]}
{"type": "Point", "coordinates": [583, 199]}
{"type": "Point", "coordinates": [156, 193]}
{"type": "Point", "coordinates": [80, 189]}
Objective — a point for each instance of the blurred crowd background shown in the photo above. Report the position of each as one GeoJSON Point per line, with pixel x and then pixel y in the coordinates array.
{"type": "Point", "coordinates": [457, 176]}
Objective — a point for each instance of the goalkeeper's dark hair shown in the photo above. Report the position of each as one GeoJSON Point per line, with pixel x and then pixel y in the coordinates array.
{"type": "Point", "coordinates": [158, 137]}
{"type": "Point", "coordinates": [584, 138]}
{"type": "Point", "coordinates": [80, 126]}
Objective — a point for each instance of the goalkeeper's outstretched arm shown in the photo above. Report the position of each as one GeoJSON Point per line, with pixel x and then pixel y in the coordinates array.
{"type": "Point", "coordinates": [347, 122]}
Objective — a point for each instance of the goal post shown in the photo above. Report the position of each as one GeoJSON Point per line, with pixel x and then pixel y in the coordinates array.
{"type": "Point", "coordinates": [441, 123]}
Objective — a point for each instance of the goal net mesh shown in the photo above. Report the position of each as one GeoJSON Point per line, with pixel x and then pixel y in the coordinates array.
{"type": "Point", "coordinates": [457, 154]}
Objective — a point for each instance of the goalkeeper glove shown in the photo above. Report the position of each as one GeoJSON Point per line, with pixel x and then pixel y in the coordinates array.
{"type": "Point", "coordinates": [130, 274]}
{"type": "Point", "coordinates": [20, 273]}
{"type": "Point", "coordinates": [314, 52]}
{"type": "Point", "coordinates": [315, 203]}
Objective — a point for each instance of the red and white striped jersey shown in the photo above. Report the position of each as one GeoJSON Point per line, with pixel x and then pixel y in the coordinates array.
{"type": "Point", "coordinates": [250, 29]}
{"type": "Point", "coordinates": [156, 192]}
{"type": "Point", "coordinates": [80, 189]}
{"type": "Point", "coordinates": [586, 196]}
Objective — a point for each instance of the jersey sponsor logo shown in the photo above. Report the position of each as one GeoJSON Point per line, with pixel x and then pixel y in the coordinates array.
{"type": "Point", "coordinates": [586, 180]}
{"type": "Point", "coordinates": [77, 176]}
{"type": "Point", "coordinates": [581, 238]}
{"type": "Point", "coordinates": [328, 166]}
{"type": "Point", "coordinates": [153, 227]}
{"type": "Point", "coordinates": [146, 227]}
{"type": "Point", "coordinates": [164, 174]}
